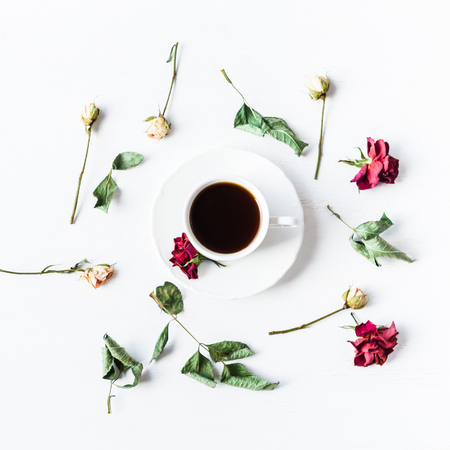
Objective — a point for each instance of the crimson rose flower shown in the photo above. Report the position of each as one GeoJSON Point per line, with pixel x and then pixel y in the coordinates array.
{"type": "Point", "coordinates": [183, 253]}
{"type": "Point", "coordinates": [186, 257]}
{"type": "Point", "coordinates": [375, 344]}
{"type": "Point", "coordinates": [378, 166]}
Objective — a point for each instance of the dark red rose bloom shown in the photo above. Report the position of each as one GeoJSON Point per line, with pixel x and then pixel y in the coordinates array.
{"type": "Point", "coordinates": [383, 167]}
{"type": "Point", "coordinates": [184, 252]}
{"type": "Point", "coordinates": [374, 345]}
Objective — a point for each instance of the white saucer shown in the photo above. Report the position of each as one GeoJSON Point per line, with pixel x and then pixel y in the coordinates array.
{"type": "Point", "coordinates": [253, 273]}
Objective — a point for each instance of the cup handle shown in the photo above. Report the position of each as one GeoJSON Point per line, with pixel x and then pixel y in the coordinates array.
{"type": "Point", "coordinates": [283, 222]}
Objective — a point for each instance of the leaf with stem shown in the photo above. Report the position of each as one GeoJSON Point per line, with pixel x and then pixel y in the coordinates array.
{"type": "Point", "coordinates": [127, 160]}
{"type": "Point", "coordinates": [161, 342]}
{"type": "Point", "coordinates": [170, 297]}
{"type": "Point", "coordinates": [104, 193]}
{"type": "Point", "coordinates": [228, 351]}
{"type": "Point", "coordinates": [199, 368]}
{"type": "Point", "coordinates": [237, 375]}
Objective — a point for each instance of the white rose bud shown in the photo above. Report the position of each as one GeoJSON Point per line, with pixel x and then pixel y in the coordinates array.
{"type": "Point", "coordinates": [354, 298]}
{"type": "Point", "coordinates": [89, 114]}
{"type": "Point", "coordinates": [318, 87]}
{"type": "Point", "coordinates": [158, 127]}
{"type": "Point", "coordinates": [98, 275]}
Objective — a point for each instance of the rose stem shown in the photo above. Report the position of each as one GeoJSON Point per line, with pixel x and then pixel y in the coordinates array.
{"type": "Point", "coordinates": [72, 219]}
{"type": "Point", "coordinates": [243, 98]}
{"type": "Point", "coordinates": [320, 140]}
{"type": "Point", "coordinates": [153, 296]}
{"type": "Point", "coordinates": [42, 273]}
{"type": "Point", "coordinates": [354, 318]}
{"type": "Point", "coordinates": [339, 217]}
{"type": "Point", "coordinates": [306, 324]}
{"type": "Point", "coordinates": [175, 46]}
{"type": "Point", "coordinates": [109, 395]}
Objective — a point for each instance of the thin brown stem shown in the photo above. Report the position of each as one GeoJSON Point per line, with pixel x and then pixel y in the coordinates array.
{"type": "Point", "coordinates": [154, 297]}
{"type": "Point", "coordinates": [339, 217]}
{"type": "Point", "coordinates": [306, 325]}
{"type": "Point", "coordinates": [174, 48]}
{"type": "Point", "coordinates": [43, 272]}
{"type": "Point", "coordinates": [319, 156]}
{"type": "Point", "coordinates": [72, 219]}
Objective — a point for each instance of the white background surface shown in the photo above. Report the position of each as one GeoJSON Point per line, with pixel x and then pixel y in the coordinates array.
{"type": "Point", "coordinates": [388, 66]}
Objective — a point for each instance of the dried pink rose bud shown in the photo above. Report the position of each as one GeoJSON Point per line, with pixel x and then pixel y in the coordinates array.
{"type": "Point", "coordinates": [318, 87]}
{"type": "Point", "coordinates": [354, 298]}
{"type": "Point", "coordinates": [158, 127]}
{"type": "Point", "coordinates": [98, 275]}
{"type": "Point", "coordinates": [89, 114]}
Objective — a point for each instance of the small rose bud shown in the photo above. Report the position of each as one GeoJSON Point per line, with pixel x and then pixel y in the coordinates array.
{"type": "Point", "coordinates": [158, 127]}
{"type": "Point", "coordinates": [98, 275]}
{"type": "Point", "coordinates": [89, 114]}
{"type": "Point", "coordinates": [318, 87]}
{"type": "Point", "coordinates": [354, 298]}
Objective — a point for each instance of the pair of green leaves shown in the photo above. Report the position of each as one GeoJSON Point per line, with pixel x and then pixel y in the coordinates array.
{"type": "Point", "coordinates": [199, 367]}
{"type": "Point", "coordinates": [247, 119]}
{"type": "Point", "coordinates": [105, 191]}
{"type": "Point", "coordinates": [367, 242]}
{"type": "Point", "coordinates": [117, 361]}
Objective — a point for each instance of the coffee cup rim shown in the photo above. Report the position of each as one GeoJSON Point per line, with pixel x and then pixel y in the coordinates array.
{"type": "Point", "coordinates": [263, 208]}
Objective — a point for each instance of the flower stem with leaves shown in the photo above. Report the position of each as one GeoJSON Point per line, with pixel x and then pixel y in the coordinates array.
{"type": "Point", "coordinates": [169, 299]}
{"type": "Point", "coordinates": [353, 298]}
{"type": "Point", "coordinates": [89, 115]}
{"type": "Point", "coordinates": [366, 240]}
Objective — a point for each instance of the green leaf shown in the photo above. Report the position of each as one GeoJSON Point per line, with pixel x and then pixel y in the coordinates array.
{"type": "Point", "coordinates": [170, 296]}
{"type": "Point", "coordinates": [161, 342]}
{"type": "Point", "coordinates": [237, 375]}
{"type": "Point", "coordinates": [149, 118]}
{"type": "Point", "coordinates": [104, 193]}
{"type": "Point", "coordinates": [115, 355]}
{"type": "Point", "coordinates": [199, 368]}
{"type": "Point", "coordinates": [360, 248]}
{"type": "Point", "coordinates": [228, 351]}
{"type": "Point", "coordinates": [83, 261]}
{"type": "Point", "coordinates": [367, 230]}
{"type": "Point", "coordinates": [377, 247]}
{"type": "Point", "coordinates": [126, 160]}
{"type": "Point", "coordinates": [247, 119]}
{"type": "Point", "coordinates": [52, 265]}
{"type": "Point", "coordinates": [281, 131]}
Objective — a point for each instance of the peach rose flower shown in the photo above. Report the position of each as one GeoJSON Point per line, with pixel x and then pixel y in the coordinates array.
{"type": "Point", "coordinates": [158, 127]}
{"type": "Point", "coordinates": [98, 275]}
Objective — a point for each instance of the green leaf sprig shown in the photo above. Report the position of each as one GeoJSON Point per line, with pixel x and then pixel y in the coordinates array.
{"type": "Point", "coordinates": [247, 119]}
{"type": "Point", "coordinates": [116, 361]}
{"type": "Point", "coordinates": [366, 240]}
{"type": "Point", "coordinates": [74, 268]}
{"type": "Point", "coordinates": [104, 192]}
{"type": "Point", "coordinates": [168, 297]}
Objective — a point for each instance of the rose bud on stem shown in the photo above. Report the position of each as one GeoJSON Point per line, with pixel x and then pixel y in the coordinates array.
{"type": "Point", "coordinates": [89, 115]}
{"type": "Point", "coordinates": [318, 88]}
{"type": "Point", "coordinates": [354, 298]}
{"type": "Point", "coordinates": [158, 125]}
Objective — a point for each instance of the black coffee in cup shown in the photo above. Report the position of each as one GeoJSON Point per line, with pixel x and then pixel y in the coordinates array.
{"type": "Point", "coordinates": [225, 217]}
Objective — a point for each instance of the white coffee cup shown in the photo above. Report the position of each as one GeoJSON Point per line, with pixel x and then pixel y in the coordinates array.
{"type": "Point", "coordinates": [265, 220]}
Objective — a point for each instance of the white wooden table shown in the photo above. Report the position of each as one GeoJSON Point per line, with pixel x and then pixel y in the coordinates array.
{"type": "Point", "coordinates": [389, 70]}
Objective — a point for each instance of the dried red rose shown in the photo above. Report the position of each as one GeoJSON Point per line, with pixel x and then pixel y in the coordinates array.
{"type": "Point", "coordinates": [374, 345]}
{"type": "Point", "coordinates": [184, 252]}
{"type": "Point", "coordinates": [379, 166]}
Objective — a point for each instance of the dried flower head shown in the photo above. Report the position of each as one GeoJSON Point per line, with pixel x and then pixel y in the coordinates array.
{"type": "Point", "coordinates": [98, 275]}
{"type": "Point", "coordinates": [318, 87]}
{"type": "Point", "coordinates": [374, 344]}
{"type": "Point", "coordinates": [354, 298]}
{"type": "Point", "coordinates": [158, 127]}
{"type": "Point", "coordinates": [89, 114]}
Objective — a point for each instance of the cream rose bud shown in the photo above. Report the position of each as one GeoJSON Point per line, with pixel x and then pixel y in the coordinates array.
{"type": "Point", "coordinates": [158, 127]}
{"type": "Point", "coordinates": [354, 298]}
{"type": "Point", "coordinates": [89, 114]}
{"type": "Point", "coordinates": [318, 87]}
{"type": "Point", "coordinates": [98, 275]}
